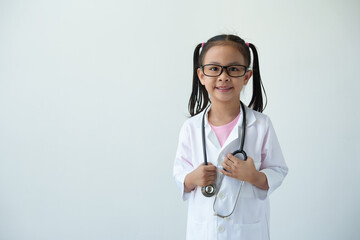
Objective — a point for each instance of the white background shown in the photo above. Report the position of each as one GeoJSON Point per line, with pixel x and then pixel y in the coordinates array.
{"type": "Point", "coordinates": [93, 94]}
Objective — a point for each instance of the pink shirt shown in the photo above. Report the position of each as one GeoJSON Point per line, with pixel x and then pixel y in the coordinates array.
{"type": "Point", "coordinates": [223, 132]}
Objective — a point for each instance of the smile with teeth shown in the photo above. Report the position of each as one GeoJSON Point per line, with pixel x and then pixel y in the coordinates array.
{"type": "Point", "coordinates": [223, 89]}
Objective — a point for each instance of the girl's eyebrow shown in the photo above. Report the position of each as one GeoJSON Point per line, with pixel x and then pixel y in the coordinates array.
{"type": "Point", "coordinates": [229, 64]}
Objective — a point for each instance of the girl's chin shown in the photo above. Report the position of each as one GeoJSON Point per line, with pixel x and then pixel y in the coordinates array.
{"type": "Point", "coordinates": [225, 99]}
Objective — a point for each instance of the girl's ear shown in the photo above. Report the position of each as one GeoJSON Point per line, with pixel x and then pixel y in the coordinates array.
{"type": "Point", "coordinates": [201, 76]}
{"type": "Point", "coordinates": [247, 76]}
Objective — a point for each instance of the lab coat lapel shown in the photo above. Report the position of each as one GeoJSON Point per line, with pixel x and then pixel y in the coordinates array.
{"type": "Point", "coordinates": [210, 134]}
{"type": "Point", "coordinates": [232, 143]}
{"type": "Point", "coordinates": [234, 135]}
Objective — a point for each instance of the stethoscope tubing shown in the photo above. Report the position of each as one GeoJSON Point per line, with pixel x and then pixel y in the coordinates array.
{"type": "Point", "coordinates": [210, 190]}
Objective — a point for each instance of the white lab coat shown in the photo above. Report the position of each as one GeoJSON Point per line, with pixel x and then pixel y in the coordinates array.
{"type": "Point", "coordinates": [250, 220]}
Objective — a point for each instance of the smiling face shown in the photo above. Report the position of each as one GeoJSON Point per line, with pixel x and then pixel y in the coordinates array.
{"type": "Point", "coordinates": [224, 88]}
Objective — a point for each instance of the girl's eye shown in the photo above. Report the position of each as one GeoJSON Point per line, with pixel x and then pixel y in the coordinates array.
{"type": "Point", "coordinates": [234, 69]}
{"type": "Point", "coordinates": [214, 69]}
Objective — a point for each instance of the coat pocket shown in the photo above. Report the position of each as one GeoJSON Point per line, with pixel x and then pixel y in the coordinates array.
{"type": "Point", "coordinates": [254, 231]}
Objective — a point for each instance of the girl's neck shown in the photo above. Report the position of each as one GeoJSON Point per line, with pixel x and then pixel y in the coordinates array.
{"type": "Point", "coordinates": [223, 113]}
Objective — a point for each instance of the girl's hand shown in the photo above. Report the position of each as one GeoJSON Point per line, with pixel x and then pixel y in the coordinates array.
{"type": "Point", "coordinates": [202, 176]}
{"type": "Point", "coordinates": [244, 171]}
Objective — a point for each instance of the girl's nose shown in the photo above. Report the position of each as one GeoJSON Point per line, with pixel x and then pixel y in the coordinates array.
{"type": "Point", "coordinates": [224, 76]}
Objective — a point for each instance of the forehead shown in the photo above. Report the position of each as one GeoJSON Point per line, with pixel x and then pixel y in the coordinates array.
{"type": "Point", "coordinates": [224, 54]}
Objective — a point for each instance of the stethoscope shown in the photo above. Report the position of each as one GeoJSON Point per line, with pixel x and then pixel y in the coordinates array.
{"type": "Point", "coordinates": [211, 190]}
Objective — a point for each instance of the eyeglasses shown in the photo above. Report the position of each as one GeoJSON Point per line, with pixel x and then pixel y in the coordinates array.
{"type": "Point", "coordinates": [214, 70]}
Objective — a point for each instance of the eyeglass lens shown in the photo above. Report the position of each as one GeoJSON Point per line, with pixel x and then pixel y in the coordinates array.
{"type": "Point", "coordinates": [213, 70]}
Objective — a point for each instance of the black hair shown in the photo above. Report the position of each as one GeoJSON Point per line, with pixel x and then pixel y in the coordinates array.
{"type": "Point", "coordinates": [199, 98]}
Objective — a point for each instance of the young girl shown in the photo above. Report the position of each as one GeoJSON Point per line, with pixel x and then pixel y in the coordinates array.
{"type": "Point", "coordinates": [228, 193]}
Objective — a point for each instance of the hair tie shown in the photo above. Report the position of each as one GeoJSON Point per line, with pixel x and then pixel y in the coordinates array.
{"type": "Point", "coordinates": [247, 44]}
{"type": "Point", "coordinates": [202, 45]}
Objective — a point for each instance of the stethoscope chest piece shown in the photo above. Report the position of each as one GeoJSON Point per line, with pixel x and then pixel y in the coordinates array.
{"type": "Point", "coordinates": [209, 190]}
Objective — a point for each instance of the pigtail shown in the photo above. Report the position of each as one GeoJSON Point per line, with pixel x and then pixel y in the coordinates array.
{"type": "Point", "coordinates": [199, 97]}
{"type": "Point", "coordinates": [256, 101]}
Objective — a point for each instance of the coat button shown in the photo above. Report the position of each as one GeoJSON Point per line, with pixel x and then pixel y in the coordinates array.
{"type": "Point", "coordinates": [222, 195]}
{"type": "Point", "coordinates": [221, 229]}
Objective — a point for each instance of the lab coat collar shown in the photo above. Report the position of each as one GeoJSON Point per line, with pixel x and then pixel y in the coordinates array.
{"type": "Point", "coordinates": [210, 134]}
{"type": "Point", "coordinates": [250, 118]}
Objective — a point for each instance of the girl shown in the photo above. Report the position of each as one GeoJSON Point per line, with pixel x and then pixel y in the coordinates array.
{"type": "Point", "coordinates": [227, 193]}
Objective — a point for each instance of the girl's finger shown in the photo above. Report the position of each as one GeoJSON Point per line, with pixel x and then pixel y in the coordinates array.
{"type": "Point", "coordinates": [210, 168]}
{"type": "Point", "coordinates": [227, 159]}
{"type": "Point", "coordinates": [227, 165]}
{"type": "Point", "coordinates": [210, 180]}
{"type": "Point", "coordinates": [229, 174]}
{"type": "Point", "coordinates": [211, 177]}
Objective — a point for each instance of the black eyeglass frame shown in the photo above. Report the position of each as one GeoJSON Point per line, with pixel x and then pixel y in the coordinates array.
{"type": "Point", "coordinates": [222, 69]}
